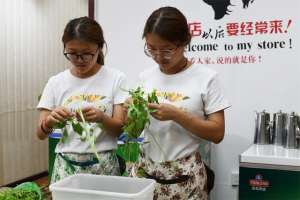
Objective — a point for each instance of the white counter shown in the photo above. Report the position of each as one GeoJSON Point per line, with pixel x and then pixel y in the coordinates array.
{"type": "Point", "coordinates": [271, 155]}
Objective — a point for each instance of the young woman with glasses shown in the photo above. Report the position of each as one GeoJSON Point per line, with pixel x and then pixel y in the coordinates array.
{"type": "Point", "coordinates": [191, 110]}
{"type": "Point", "coordinates": [91, 87]}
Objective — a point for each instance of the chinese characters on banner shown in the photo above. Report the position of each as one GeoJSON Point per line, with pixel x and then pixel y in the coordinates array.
{"type": "Point", "coordinates": [237, 29]}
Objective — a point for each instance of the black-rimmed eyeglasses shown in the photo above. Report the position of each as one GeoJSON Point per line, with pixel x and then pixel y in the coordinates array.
{"type": "Point", "coordinates": [85, 57]}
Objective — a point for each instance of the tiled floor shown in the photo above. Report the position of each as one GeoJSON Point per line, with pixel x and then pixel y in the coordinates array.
{"type": "Point", "coordinates": [42, 181]}
{"type": "Point", "coordinates": [44, 185]}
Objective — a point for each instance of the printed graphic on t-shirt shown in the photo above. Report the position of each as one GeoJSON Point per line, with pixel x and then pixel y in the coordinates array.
{"type": "Point", "coordinates": [84, 100]}
{"type": "Point", "coordinates": [174, 98]}
{"type": "Point", "coordinates": [171, 96]}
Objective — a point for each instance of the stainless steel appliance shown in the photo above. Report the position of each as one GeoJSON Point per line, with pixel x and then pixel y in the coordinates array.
{"type": "Point", "coordinates": [278, 128]}
{"type": "Point", "coordinates": [292, 132]}
{"type": "Point", "coordinates": [262, 128]}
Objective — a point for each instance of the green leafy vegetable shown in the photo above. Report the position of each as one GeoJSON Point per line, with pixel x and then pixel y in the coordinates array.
{"type": "Point", "coordinates": [84, 129]}
{"type": "Point", "coordinates": [24, 191]}
{"type": "Point", "coordinates": [138, 116]}
{"type": "Point", "coordinates": [138, 112]}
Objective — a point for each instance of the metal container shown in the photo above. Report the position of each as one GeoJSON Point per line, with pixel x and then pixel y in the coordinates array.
{"type": "Point", "coordinates": [262, 128]}
{"type": "Point", "coordinates": [292, 132]}
{"type": "Point", "coordinates": [278, 128]}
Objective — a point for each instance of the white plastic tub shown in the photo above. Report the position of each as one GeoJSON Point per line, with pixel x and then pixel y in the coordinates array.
{"type": "Point", "coordinates": [98, 187]}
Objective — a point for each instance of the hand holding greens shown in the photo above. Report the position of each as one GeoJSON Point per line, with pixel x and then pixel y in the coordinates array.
{"type": "Point", "coordinates": [84, 129]}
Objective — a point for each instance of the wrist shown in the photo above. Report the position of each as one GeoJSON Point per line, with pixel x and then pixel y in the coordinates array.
{"type": "Point", "coordinates": [46, 129]}
{"type": "Point", "coordinates": [177, 114]}
{"type": "Point", "coordinates": [47, 124]}
{"type": "Point", "coordinates": [101, 118]}
{"type": "Point", "coordinates": [183, 117]}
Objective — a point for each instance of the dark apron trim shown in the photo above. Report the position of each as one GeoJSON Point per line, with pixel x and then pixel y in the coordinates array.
{"type": "Point", "coordinates": [81, 164]}
{"type": "Point", "coordinates": [210, 178]}
{"type": "Point", "coordinates": [179, 179]}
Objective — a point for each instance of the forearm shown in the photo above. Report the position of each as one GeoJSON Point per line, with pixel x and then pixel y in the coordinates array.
{"type": "Point", "coordinates": [209, 129]}
{"type": "Point", "coordinates": [113, 126]}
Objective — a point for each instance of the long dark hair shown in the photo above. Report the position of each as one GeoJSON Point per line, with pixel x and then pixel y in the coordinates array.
{"type": "Point", "coordinates": [170, 24]}
{"type": "Point", "coordinates": [220, 7]}
{"type": "Point", "coordinates": [85, 29]}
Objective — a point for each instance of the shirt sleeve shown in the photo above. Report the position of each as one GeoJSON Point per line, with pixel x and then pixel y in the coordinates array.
{"type": "Point", "coordinates": [214, 99]}
{"type": "Point", "coordinates": [47, 100]}
{"type": "Point", "coordinates": [120, 94]}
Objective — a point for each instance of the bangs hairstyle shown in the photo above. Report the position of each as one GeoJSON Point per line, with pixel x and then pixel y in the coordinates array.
{"type": "Point", "coordinates": [85, 29]}
{"type": "Point", "coordinates": [169, 24]}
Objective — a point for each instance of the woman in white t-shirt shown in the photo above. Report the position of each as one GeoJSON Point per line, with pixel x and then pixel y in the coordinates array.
{"type": "Point", "coordinates": [89, 86]}
{"type": "Point", "coordinates": [191, 110]}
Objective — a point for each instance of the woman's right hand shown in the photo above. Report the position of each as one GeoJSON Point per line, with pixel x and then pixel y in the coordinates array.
{"type": "Point", "coordinates": [59, 114]}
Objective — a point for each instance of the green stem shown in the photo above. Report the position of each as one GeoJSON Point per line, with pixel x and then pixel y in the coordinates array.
{"type": "Point", "coordinates": [93, 147]}
{"type": "Point", "coordinates": [81, 115]}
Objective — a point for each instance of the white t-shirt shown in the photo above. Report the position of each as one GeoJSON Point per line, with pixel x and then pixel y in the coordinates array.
{"type": "Point", "coordinates": [195, 90]}
{"type": "Point", "coordinates": [102, 90]}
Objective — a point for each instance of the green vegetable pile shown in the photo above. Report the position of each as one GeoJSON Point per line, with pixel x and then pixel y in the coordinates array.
{"type": "Point", "coordinates": [138, 117]}
{"type": "Point", "coordinates": [84, 129]}
{"type": "Point", "coordinates": [24, 191]}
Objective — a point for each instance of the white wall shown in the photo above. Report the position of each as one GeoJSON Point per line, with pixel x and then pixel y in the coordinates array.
{"type": "Point", "coordinates": [30, 52]}
{"type": "Point", "coordinates": [124, 35]}
{"type": "Point", "coordinates": [270, 84]}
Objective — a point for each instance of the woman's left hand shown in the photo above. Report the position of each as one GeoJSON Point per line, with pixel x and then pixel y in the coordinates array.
{"type": "Point", "coordinates": [164, 111]}
{"type": "Point", "coordinates": [92, 114]}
